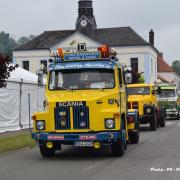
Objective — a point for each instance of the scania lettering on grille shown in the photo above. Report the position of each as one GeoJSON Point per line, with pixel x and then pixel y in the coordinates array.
{"type": "Point", "coordinates": [51, 137]}
{"type": "Point", "coordinates": [87, 137]}
{"type": "Point", "coordinates": [71, 104]}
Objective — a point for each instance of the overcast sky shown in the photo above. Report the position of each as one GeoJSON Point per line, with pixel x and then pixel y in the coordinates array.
{"type": "Point", "coordinates": [25, 17]}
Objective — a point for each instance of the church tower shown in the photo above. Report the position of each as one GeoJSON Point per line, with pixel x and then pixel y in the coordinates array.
{"type": "Point", "coordinates": [86, 22]}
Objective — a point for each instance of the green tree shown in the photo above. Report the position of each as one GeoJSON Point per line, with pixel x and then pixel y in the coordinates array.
{"type": "Point", "coordinates": [22, 40]}
{"type": "Point", "coordinates": [176, 66]}
{"type": "Point", "coordinates": [6, 44]}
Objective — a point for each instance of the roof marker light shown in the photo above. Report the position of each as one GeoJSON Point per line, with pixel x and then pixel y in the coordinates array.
{"type": "Point", "coordinates": [60, 52]}
{"type": "Point", "coordinates": [105, 51]}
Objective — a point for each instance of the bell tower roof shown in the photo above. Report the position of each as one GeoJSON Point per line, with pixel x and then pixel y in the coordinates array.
{"type": "Point", "coordinates": [86, 21]}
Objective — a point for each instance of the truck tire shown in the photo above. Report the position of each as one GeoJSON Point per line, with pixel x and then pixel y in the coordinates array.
{"type": "Point", "coordinates": [117, 148]}
{"type": "Point", "coordinates": [162, 121]}
{"type": "Point", "coordinates": [45, 152]}
{"type": "Point", "coordinates": [153, 122]}
{"type": "Point", "coordinates": [162, 117]}
{"type": "Point", "coordinates": [134, 137]}
{"type": "Point", "coordinates": [178, 116]}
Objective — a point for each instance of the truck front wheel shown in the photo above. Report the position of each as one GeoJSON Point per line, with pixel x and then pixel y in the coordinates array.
{"type": "Point", "coordinates": [46, 152]}
{"type": "Point", "coordinates": [162, 121]}
{"type": "Point", "coordinates": [134, 137]}
{"type": "Point", "coordinates": [162, 117]}
{"type": "Point", "coordinates": [178, 116]}
{"type": "Point", "coordinates": [153, 122]}
{"type": "Point", "coordinates": [117, 148]}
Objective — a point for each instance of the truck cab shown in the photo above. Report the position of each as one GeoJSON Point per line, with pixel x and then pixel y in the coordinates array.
{"type": "Point", "coordinates": [168, 99]}
{"type": "Point", "coordinates": [142, 97]}
{"type": "Point", "coordinates": [85, 104]}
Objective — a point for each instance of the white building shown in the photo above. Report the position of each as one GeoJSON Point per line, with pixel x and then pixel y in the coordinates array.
{"type": "Point", "coordinates": [132, 49]}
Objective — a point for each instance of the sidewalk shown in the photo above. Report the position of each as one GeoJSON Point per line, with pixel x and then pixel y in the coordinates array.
{"type": "Point", "coordinates": [13, 133]}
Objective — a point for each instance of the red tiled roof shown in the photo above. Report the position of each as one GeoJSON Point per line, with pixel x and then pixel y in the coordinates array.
{"type": "Point", "coordinates": [162, 66]}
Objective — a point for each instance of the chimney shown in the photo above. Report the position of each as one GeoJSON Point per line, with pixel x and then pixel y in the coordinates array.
{"type": "Point", "coordinates": [151, 37]}
{"type": "Point", "coordinates": [85, 13]}
{"type": "Point", "coordinates": [85, 8]}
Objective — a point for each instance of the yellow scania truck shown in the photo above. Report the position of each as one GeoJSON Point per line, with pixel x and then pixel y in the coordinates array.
{"type": "Point", "coordinates": [142, 97]}
{"type": "Point", "coordinates": [85, 103]}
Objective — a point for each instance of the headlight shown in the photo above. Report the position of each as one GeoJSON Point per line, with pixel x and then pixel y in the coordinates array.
{"type": "Point", "coordinates": [40, 125]}
{"type": "Point", "coordinates": [109, 123]}
{"type": "Point", "coordinates": [148, 110]}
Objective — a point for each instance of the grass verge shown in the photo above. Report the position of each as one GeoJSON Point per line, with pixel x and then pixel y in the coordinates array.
{"type": "Point", "coordinates": [15, 142]}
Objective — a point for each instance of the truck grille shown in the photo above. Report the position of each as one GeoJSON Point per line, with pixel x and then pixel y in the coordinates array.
{"type": "Point", "coordinates": [81, 117]}
{"type": "Point", "coordinates": [134, 105]}
{"type": "Point", "coordinates": [62, 118]}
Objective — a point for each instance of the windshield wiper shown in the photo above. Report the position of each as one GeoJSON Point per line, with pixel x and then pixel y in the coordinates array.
{"type": "Point", "coordinates": [63, 88]}
{"type": "Point", "coordinates": [100, 89]}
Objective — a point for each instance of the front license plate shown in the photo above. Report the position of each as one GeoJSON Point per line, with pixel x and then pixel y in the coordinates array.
{"type": "Point", "coordinates": [83, 143]}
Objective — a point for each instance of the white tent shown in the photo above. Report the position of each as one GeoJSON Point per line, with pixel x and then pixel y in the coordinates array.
{"type": "Point", "coordinates": [14, 100]}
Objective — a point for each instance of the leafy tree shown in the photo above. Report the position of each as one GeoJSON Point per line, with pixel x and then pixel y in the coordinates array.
{"type": "Point", "coordinates": [5, 68]}
{"type": "Point", "coordinates": [6, 44]}
{"type": "Point", "coordinates": [24, 39]}
{"type": "Point", "coordinates": [176, 66]}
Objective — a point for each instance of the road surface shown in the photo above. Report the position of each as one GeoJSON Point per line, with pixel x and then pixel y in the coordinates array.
{"type": "Point", "coordinates": [156, 157]}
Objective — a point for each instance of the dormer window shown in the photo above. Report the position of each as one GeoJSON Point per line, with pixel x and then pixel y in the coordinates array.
{"type": "Point", "coordinates": [82, 47]}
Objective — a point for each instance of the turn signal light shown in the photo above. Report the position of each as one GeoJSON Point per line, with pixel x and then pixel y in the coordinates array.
{"type": "Point", "coordinates": [33, 118]}
{"type": "Point", "coordinates": [116, 115]}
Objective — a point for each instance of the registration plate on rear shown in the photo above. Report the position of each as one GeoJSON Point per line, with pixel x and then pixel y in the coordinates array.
{"type": "Point", "coordinates": [83, 143]}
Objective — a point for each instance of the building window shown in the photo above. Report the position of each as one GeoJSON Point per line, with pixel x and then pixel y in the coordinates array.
{"type": "Point", "coordinates": [152, 67]}
{"type": "Point", "coordinates": [134, 66]}
{"type": "Point", "coordinates": [81, 47]}
{"type": "Point", "coordinates": [44, 62]}
{"type": "Point", "coordinates": [26, 65]}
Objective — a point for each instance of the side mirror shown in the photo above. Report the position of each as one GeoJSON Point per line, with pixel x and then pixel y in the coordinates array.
{"type": "Point", "coordinates": [40, 78]}
{"type": "Point", "coordinates": [128, 78]}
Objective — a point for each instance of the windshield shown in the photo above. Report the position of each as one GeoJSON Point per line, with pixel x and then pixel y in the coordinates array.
{"type": "Point", "coordinates": [165, 93]}
{"type": "Point", "coordinates": [74, 79]}
{"type": "Point", "coordinates": [138, 91]}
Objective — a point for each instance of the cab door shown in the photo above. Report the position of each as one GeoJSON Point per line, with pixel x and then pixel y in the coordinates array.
{"type": "Point", "coordinates": [153, 95]}
{"type": "Point", "coordinates": [122, 91]}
